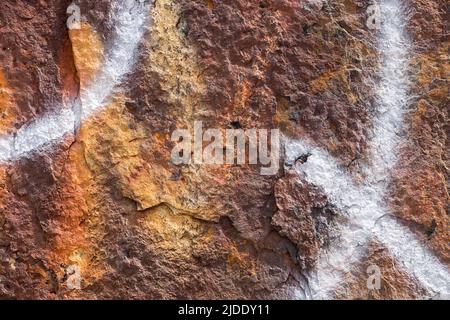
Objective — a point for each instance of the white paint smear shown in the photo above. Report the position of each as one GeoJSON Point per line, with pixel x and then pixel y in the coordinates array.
{"type": "Point", "coordinates": [368, 218]}
{"type": "Point", "coordinates": [129, 20]}
{"type": "Point", "coordinates": [392, 91]}
{"type": "Point", "coordinates": [364, 205]}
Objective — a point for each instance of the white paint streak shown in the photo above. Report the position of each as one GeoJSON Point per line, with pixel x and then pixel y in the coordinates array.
{"type": "Point", "coordinates": [50, 127]}
{"type": "Point", "coordinates": [392, 90]}
{"type": "Point", "coordinates": [6, 147]}
{"type": "Point", "coordinates": [129, 23]}
{"type": "Point", "coordinates": [361, 206]}
{"type": "Point", "coordinates": [414, 256]}
{"type": "Point", "coordinates": [369, 218]}
{"type": "Point", "coordinates": [364, 205]}
{"type": "Point", "coordinates": [129, 26]}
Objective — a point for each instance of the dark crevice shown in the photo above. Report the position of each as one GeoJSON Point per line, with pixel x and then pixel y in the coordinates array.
{"type": "Point", "coordinates": [302, 159]}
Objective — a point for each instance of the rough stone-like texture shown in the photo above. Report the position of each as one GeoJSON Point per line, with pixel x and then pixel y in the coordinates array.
{"type": "Point", "coordinates": [394, 284]}
{"type": "Point", "coordinates": [421, 185]}
{"type": "Point", "coordinates": [32, 53]}
{"type": "Point", "coordinates": [109, 201]}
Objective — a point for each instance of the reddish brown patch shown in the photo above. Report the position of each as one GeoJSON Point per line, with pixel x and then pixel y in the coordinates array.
{"type": "Point", "coordinates": [69, 75]}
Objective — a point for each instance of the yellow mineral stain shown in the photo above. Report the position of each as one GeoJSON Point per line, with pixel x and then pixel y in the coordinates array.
{"type": "Point", "coordinates": [420, 112]}
{"type": "Point", "coordinates": [4, 195]}
{"type": "Point", "coordinates": [433, 66]}
{"type": "Point", "coordinates": [242, 96]}
{"type": "Point", "coordinates": [175, 60]}
{"type": "Point", "coordinates": [209, 4]}
{"type": "Point", "coordinates": [282, 118]}
{"type": "Point", "coordinates": [350, 7]}
{"type": "Point", "coordinates": [112, 141]}
{"type": "Point", "coordinates": [241, 260]}
{"type": "Point", "coordinates": [111, 137]}
{"type": "Point", "coordinates": [174, 231]}
{"type": "Point", "coordinates": [117, 145]}
{"type": "Point", "coordinates": [7, 106]}
{"type": "Point", "coordinates": [88, 52]}
{"type": "Point", "coordinates": [336, 80]}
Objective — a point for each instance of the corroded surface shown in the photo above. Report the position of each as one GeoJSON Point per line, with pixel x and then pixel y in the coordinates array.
{"type": "Point", "coordinates": [107, 198]}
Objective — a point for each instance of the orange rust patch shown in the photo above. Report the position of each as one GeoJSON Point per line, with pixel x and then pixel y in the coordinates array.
{"type": "Point", "coordinates": [174, 231]}
{"type": "Point", "coordinates": [7, 107]}
{"type": "Point", "coordinates": [351, 7]}
{"type": "Point", "coordinates": [69, 77]}
{"type": "Point", "coordinates": [209, 4]}
{"type": "Point", "coordinates": [116, 144]}
{"type": "Point", "coordinates": [78, 231]}
{"type": "Point", "coordinates": [282, 118]}
{"type": "Point", "coordinates": [243, 94]}
{"type": "Point", "coordinates": [421, 109]}
{"type": "Point", "coordinates": [88, 52]}
{"type": "Point", "coordinates": [433, 66]}
{"type": "Point", "coordinates": [334, 80]}
{"type": "Point", "coordinates": [241, 260]}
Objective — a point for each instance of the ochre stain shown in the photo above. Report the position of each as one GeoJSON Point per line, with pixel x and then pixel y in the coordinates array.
{"type": "Point", "coordinates": [282, 116]}
{"type": "Point", "coordinates": [433, 66]}
{"type": "Point", "coordinates": [7, 106]}
{"type": "Point", "coordinates": [78, 228]}
{"type": "Point", "coordinates": [115, 145]}
{"type": "Point", "coordinates": [335, 80]}
{"type": "Point", "coordinates": [88, 52]}
{"type": "Point", "coordinates": [242, 96]}
{"type": "Point", "coordinates": [209, 4]}
{"type": "Point", "coordinates": [173, 231]}
{"type": "Point", "coordinates": [68, 72]}
{"type": "Point", "coordinates": [113, 140]}
{"type": "Point", "coordinates": [420, 112]}
{"type": "Point", "coordinates": [3, 195]}
{"type": "Point", "coordinates": [174, 59]}
{"type": "Point", "coordinates": [241, 260]}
